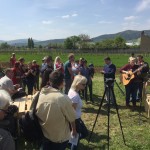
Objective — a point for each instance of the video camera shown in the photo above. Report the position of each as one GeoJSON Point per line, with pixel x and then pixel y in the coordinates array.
{"type": "Point", "coordinates": [109, 81]}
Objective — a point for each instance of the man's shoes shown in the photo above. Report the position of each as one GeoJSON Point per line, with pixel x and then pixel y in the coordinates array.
{"type": "Point", "coordinates": [128, 106]}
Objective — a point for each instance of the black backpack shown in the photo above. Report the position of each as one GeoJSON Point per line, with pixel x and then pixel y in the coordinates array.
{"type": "Point", "coordinates": [29, 124]}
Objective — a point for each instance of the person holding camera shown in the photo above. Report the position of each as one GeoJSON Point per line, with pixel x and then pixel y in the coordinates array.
{"type": "Point", "coordinates": [109, 71]}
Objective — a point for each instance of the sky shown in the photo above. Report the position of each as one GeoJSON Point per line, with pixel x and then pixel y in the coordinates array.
{"type": "Point", "coordinates": [56, 19]}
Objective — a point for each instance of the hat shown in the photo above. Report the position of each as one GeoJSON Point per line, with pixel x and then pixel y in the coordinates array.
{"type": "Point", "coordinates": [4, 99]}
{"type": "Point", "coordinates": [131, 59]}
{"type": "Point", "coordinates": [21, 59]}
{"type": "Point", "coordinates": [44, 58]}
{"type": "Point", "coordinates": [91, 65]}
{"type": "Point", "coordinates": [33, 61]}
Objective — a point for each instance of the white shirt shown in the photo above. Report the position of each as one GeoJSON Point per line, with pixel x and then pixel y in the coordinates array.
{"type": "Point", "coordinates": [74, 96]}
{"type": "Point", "coordinates": [6, 83]}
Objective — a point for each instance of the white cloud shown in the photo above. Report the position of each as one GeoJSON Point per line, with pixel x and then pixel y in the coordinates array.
{"type": "Point", "coordinates": [47, 22]}
{"type": "Point", "coordinates": [130, 18]}
{"type": "Point", "coordinates": [66, 16]}
{"type": "Point", "coordinates": [143, 5]}
{"type": "Point", "coordinates": [104, 22]}
{"type": "Point", "coordinates": [74, 15]}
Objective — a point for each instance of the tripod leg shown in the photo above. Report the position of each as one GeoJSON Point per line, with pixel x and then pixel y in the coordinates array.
{"type": "Point", "coordinates": [118, 114]}
{"type": "Point", "coordinates": [140, 111]}
{"type": "Point", "coordinates": [120, 88]}
{"type": "Point", "coordinates": [97, 115]}
{"type": "Point", "coordinates": [109, 99]}
{"type": "Point", "coordinates": [141, 97]}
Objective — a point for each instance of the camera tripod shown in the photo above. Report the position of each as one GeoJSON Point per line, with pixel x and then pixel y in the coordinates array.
{"type": "Point", "coordinates": [108, 88]}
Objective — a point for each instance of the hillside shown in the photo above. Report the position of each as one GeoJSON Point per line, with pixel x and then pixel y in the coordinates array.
{"type": "Point", "coordinates": [44, 43]}
{"type": "Point", "coordinates": [128, 35]}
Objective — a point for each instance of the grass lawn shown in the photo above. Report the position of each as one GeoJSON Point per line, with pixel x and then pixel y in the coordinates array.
{"type": "Point", "coordinates": [137, 136]}
{"type": "Point", "coordinates": [97, 59]}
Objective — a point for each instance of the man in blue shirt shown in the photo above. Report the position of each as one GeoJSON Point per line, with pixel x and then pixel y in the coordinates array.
{"type": "Point", "coordinates": [109, 71]}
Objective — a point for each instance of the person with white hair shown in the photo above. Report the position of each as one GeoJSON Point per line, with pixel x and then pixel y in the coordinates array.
{"type": "Point", "coordinates": [78, 84]}
{"type": "Point", "coordinates": [6, 83]}
{"type": "Point", "coordinates": [131, 87]}
{"type": "Point", "coordinates": [6, 140]}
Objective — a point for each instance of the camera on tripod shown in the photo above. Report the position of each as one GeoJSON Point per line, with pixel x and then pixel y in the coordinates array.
{"type": "Point", "coordinates": [109, 81]}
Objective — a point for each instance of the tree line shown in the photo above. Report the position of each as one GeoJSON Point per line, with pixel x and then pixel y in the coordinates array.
{"type": "Point", "coordinates": [81, 42]}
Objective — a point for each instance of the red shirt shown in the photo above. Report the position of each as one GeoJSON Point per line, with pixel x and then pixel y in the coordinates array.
{"type": "Point", "coordinates": [17, 76]}
{"type": "Point", "coordinates": [12, 61]}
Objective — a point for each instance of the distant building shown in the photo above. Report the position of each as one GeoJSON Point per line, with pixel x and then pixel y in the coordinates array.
{"type": "Point", "coordinates": [145, 42]}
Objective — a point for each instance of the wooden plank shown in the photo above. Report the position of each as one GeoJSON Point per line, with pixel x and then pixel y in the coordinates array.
{"type": "Point", "coordinates": [16, 103]}
{"type": "Point", "coordinates": [21, 108]}
{"type": "Point", "coordinates": [28, 104]}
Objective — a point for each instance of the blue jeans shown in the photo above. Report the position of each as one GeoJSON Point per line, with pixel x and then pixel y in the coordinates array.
{"type": "Point", "coordinates": [49, 145]}
{"type": "Point", "coordinates": [131, 89]}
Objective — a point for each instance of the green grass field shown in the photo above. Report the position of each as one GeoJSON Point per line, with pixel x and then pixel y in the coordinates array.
{"type": "Point", "coordinates": [136, 136]}
{"type": "Point", "coordinates": [97, 59]}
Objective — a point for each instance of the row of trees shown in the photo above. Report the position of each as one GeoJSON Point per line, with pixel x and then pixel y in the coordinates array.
{"type": "Point", "coordinates": [80, 42]}
{"type": "Point", "coordinates": [30, 43]}
{"type": "Point", "coordinates": [83, 42]}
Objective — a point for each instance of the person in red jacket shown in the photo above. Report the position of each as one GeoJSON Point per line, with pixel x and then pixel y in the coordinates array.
{"type": "Point", "coordinates": [12, 60]}
{"type": "Point", "coordinates": [17, 74]}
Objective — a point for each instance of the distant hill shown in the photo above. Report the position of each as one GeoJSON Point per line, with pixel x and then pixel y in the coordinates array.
{"type": "Point", "coordinates": [19, 42]}
{"type": "Point", "coordinates": [128, 35]}
{"type": "Point", "coordinates": [2, 41]}
{"type": "Point", "coordinates": [44, 43]}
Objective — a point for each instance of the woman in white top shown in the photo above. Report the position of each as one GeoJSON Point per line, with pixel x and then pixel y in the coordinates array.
{"type": "Point", "coordinates": [79, 83]}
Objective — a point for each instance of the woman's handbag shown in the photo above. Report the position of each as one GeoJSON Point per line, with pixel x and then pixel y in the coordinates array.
{"type": "Point", "coordinates": [81, 128]}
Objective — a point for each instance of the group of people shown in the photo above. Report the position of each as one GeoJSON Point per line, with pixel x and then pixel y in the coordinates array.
{"type": "Point", "coordinates": [58, 112]}
{"type": "Point", "coordinates": [136, 71]}
{"type": "Point", "coordinates": [28, 75]}
{"type": "Point", "coordinates": [133, 75]}
{"type": "Point", "coordinates": [62, 85]}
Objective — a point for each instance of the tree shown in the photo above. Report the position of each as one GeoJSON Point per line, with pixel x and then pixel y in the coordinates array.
{"type": "Point", "coordinates": [84, 39]}
{"type": "Point", "coordinates": [107, 44]}
{"type": "Point", "coordinates": [68, 44]}
{"type": "Point", "coordinates": [4, 45]}
{"type": "Point", "coordinates": [32, 43]}
{"type": "Point", "coordinates": [75, 40]}
{"type": "Point", "coordinates": [119, 42]}
{"type": "Point", "coordinates": [29, 43]}
{"type": "Point", "coordinates": [40, 46]}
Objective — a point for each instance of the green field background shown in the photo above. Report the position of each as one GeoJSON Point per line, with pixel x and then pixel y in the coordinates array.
{"type": "Point", "coordinates": [97, 59]}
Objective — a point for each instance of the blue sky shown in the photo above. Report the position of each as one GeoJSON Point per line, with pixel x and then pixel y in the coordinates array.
{"type": "Point", "coordinates": [55, 19]}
